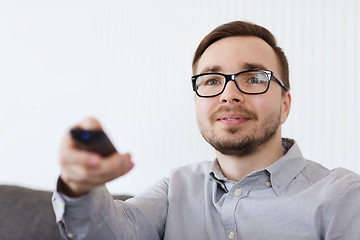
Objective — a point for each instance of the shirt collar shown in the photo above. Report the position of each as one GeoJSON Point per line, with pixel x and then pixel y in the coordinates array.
{"type": "Point", "coordinates": [286, 168]}
{"type": "Point", "coordinates": [217, 175]}
{"type": "Point", "coordinates": [215, 171]}
{"type": "Point", "coordinates": [282, 172]}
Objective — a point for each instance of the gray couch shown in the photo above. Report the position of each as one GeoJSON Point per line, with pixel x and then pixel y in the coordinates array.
{"type": "Point", "coordinates": [26, 214]}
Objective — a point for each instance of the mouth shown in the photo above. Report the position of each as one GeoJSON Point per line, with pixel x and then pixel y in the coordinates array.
{"type": "Point", "coordinates": [233, 116]}
{"type": "Point", "coordinates": [232, 119]}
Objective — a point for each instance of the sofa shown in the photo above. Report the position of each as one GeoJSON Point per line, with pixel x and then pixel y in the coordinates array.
{"type": "Point", "coordinates": [26, 214]}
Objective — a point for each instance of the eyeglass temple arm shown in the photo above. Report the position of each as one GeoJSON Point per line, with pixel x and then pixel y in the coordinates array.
{"type": "Point", "coordinates": [279, 81]}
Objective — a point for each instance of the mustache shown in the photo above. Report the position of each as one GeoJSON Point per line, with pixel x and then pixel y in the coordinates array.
{"type": "Point", "coordinates": [238, 109]}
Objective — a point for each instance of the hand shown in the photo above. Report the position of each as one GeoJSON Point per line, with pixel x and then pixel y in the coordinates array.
{"type": "Point", "coordinates": [81, 171]}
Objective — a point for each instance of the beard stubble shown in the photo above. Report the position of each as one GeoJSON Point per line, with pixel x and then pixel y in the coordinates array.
{"type": "Point", "coordinates": [244, 144]}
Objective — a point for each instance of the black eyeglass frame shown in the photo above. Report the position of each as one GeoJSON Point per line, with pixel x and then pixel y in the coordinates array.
{"type": "Point", "coordinates": [232, 77]}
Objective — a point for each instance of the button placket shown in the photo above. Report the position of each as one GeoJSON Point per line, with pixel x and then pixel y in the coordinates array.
{"type": "Point", "coordinates": [231, 235]}
{"type": "Point", "coordinates": [228, 210]}
{"type": "Point", "coordinates": [238, 192]}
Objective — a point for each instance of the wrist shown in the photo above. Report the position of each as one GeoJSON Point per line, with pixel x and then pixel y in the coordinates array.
{"type": "Point", "coordinates": [65, 189]}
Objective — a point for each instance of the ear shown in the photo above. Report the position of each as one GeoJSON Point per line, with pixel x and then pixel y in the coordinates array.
{"type": "Point", "coordinates": [285, 106]}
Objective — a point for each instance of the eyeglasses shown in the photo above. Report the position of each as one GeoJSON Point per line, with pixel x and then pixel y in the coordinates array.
{"type": "Point", "coordinates": [249, 82]}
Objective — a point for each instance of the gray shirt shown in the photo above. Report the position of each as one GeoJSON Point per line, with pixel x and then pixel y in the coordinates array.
{"type": "Point", "coordinates": [294, 198]}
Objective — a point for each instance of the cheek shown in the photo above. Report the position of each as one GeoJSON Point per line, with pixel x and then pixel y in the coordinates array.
{"type": "Point", "coordinates": [204, 108]}
{"type": "Point", "coordinates": [200, 109]}
{"type": "Point", "coordinates": [264, 105]}
{"type": "Point", "coordinates": [257, 103]}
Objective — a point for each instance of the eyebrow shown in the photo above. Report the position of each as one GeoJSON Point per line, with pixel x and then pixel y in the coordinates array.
{"type": "Point", "coordinates": [244, 67]}
{"type": "Point", "coordinates": [214, 68]}
{"type": "Point", "coordinates": [253, 66]}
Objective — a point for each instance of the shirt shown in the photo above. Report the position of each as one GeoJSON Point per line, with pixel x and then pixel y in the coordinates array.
{"type": "Point", "coordinates": [294, 198]}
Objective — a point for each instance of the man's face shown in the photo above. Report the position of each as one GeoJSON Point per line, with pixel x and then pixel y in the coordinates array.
{"type": "Point", "coordinates": [235, 123]}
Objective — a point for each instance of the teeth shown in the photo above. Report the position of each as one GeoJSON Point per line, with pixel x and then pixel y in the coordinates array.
{"type": "Point", "coordinates": [231, 118]}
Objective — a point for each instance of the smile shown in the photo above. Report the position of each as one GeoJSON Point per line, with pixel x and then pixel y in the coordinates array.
{"type": "Point", "coordinates": [232, 119]}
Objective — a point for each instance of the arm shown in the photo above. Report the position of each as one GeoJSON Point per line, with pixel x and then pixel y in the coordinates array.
{"type": "Point", "coordinates": [97, 216]}
{"type": "Point", "coordinates": [84, 208]}
{"type": "Point", "coordinates": [343, 218]}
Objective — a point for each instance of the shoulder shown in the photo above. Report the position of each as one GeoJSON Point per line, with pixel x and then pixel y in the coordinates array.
{"type": "Point", "coordinates": [339, 183]}
{"type": "Point", "coordinates": [199, 168]}
{"type": "Point", "coordinates": [344, 180]}
{"type": "Point", "coordinates": [190, 174]}
{"type": "Point", "coordinates": [342, 173]}
{"type": "Point", "coordinates": [331, 184]}
{"type": "Point", "coordinates": [316, 172]}
{"type": "Point", "coordinates": [195, 167]}
{"type": "Point", "coordinates": [181, 177]}
{"type": "Point", "coordinates": [342, 212]}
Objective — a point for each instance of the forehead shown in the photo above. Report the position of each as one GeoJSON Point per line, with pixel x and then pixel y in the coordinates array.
{"type": "Point", "coordinates": [233, 53]}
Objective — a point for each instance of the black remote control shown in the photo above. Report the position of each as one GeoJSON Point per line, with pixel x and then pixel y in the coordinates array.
{"type": "Point", "coordinates": [93, 141]}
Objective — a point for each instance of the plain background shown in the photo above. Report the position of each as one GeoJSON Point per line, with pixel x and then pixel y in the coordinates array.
{"type": "Point", "coordinates": [128, 63]}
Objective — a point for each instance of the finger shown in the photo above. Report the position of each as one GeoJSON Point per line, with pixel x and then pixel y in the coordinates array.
{"type": "Point", "coordinates": [90, 124]}
{"type": "Point", "coordinates": [107, 169]}
{"type": "Point", "coordinates": [72, 155]}
{"type": "Point", "coordinates": [82, 170]}
{"type": "Point", "coordinates": [79, 179]}
{"type": "Point", "coordinates": [113, 167]}
{"type": "Point", "coordinates": [77, 165]}
{"type": "Point", "coordinates": [78, 173]}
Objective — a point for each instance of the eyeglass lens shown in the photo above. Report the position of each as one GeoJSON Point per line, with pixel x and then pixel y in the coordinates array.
{"type": "Point", "coordinates": [249, 82]}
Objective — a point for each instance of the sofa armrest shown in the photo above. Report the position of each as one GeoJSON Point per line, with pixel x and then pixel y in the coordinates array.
{"type": "Point", "coordinates": [27, 214]}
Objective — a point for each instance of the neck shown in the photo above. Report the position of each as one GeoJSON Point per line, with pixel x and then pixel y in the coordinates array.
{"type": "Point", "coordinates": [237, 167]}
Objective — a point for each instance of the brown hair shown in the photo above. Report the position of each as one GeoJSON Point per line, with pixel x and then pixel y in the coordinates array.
{"type": "Point", "coordinates": [240, 28]}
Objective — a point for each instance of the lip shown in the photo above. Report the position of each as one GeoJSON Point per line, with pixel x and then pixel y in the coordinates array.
{"type": "Point", "coordinates": [232, 119]}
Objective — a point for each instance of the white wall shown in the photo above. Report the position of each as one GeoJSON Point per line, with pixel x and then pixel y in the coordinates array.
{"type": "Point", "coordinates": [128, 63]}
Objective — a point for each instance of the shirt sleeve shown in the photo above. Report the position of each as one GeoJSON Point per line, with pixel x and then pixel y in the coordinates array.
{"type": "Point", "coordinates": [97, 216]}
{"type": "Point", "coordinates": [343, 218]}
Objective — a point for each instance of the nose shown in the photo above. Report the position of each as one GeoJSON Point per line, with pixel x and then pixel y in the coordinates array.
{"type": "Point", "coordinates": [231, 94]}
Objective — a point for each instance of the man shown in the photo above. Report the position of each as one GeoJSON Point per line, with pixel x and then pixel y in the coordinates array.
{"type": "Point", "coordinates": [259, 186]}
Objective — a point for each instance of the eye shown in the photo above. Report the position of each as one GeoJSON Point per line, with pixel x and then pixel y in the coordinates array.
{"type": "Point", "coordinates": [212, 82]}
{"type": "Point", "coordinates": [255, 80]}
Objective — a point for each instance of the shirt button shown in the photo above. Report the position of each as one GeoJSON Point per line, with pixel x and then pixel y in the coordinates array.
{"type": "Point", "coordinates": [70, 235]}
{"type": "Point", "coordinates": [268, 184]}
{"type": "Point", "coordinates": [238, 192]}
{"type": "Point", "coordinates": [231, 235]}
